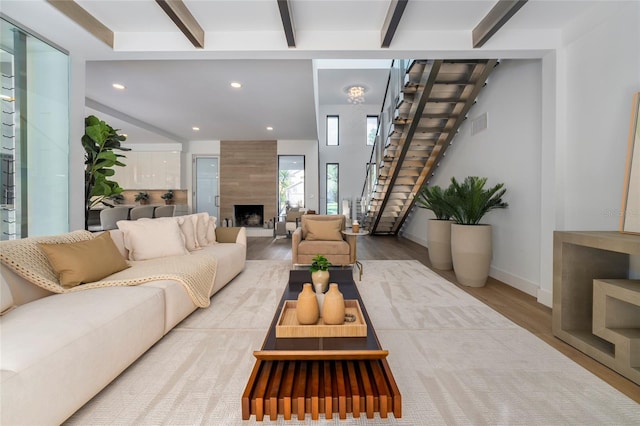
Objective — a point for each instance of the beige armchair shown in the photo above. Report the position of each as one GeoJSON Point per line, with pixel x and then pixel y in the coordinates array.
{"type": "Point", "coordinates": [321, 234]}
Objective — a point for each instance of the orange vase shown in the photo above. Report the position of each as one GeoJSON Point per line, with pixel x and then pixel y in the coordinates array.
{"type": "Point", "coordinates": [307, 311]}
{"type": "Point", "coordinates": [333, 306]}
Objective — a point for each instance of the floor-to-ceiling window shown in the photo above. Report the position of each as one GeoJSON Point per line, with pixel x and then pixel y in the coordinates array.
{"type": "Point", "coordinates": [290, 182]}
{"type": "Point", "coordinates": [35, 135]}
{"type": "Point", "coordinates": [333, 180]}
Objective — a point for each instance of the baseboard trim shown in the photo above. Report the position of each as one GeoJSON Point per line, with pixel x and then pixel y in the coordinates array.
{"type": "Point", "coordinates": [515, 281]}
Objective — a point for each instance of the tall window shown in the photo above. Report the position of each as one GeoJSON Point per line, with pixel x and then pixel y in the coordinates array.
{"type": "Point", "coordinates": [333, 130]}
{"type": "Point", "coordinates": [332, 188]}
{"type": "Point", "coordinates": [290, 182]}
{"type": "Point", "coordinates": [35, 135]}
{"type": "Point", "coordinates": [372, 129]}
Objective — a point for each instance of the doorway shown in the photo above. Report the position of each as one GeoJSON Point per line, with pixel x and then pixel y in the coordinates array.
{"type": "Point", "coordinates": [206, 189]}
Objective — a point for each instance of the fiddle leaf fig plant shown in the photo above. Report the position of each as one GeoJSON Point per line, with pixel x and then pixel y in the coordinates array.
{"type": "Point", "coordinates": [100, 141]}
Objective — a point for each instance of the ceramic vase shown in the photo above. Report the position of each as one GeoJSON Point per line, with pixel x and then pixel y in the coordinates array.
{"type": "Point", "coordinates": [318, 287]}
{"type": "Point", "coordinates": [439, 243]}
{"type": "Point", "coordinates": [333, 306]}
{"type": "Point", "coordinates": [471, 253]}
{"type": "Point", "coordinates": [307, 311]}
{"type": "Point", "coordinates": [321, 277]}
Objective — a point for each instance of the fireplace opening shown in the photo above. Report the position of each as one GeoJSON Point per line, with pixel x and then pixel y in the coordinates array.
{"type": "Point", "coordinates": [249, 215]}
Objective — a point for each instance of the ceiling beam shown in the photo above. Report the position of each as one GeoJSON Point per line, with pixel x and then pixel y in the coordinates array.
{"type": "Point", "coordinates": [76, 13]}
{"type": "Point", "coordinates": [180, 15]}
{"type": "Point", "coordinates": [495, 19]}
{"type": "Point", "coordinates": [394, 14]}
{"type": "Point", "coordinates": [287, 22]}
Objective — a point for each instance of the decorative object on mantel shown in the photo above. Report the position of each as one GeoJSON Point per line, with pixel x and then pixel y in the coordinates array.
{"type": "Point", "coordinates": [142, 197]}
{"type": "Point", "coordinates": [435, 199]}
{"type": "Point", "coordinates": [307, 311]}
{"type": "Point", "coordinates": [630, 212]}
{"type": "Point", "coordinates": [471, 242]}
{"type": "Point", "coordinates": [333, 308]}
{"type": "Point", "coordinates": [168, 197]}
{"type": "Point", "coordinates": [320, 271]}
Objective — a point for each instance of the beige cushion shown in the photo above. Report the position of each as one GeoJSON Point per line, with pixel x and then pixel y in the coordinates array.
{"type": "Point", "coordinates": [84, 261]}
{"type": "Point", "coordinates": [202, 222]}
{"type": "Point", "coordinates": [6, 298]}
{"type": "Point", "coordinates": [227, 235]}
{"type": "Point", "coordinates": [152, 238]}
{"type": "Point", "coordinates": [211, 230]}
{"type": "Point", "coordinates": [324, 230]}
{"type": "Point", "coordinates": [293, 215]}
{"type": "Point", "coordinates": [188, 229]}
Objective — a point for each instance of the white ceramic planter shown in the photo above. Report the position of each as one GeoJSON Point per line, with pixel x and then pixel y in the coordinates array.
{"type": "Point", "coordinates": [471, 249]}
{"type": "Point", "coordinates": [439, 243]}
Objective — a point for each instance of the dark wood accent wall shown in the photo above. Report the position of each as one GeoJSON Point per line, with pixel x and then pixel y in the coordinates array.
{"type": "Point", "coordinates": [248, 175]}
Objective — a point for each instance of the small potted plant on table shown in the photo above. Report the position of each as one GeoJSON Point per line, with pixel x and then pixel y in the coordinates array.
{"type": "Point", "coordinates": [142, 197]}
{"type": "Point", "coordinates": [167, 197]}
{"type": "Point", "coordinates": [320, 272]}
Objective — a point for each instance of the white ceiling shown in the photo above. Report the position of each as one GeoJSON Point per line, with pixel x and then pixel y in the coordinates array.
{"type": "Point", "coordinates": [172, 86]}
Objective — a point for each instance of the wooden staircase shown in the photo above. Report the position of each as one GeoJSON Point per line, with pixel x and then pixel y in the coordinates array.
{"type": "Point", "coordinates": [433, 103]}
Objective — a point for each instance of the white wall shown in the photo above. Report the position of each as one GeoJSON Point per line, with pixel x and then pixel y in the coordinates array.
{"type": "Point", "coordinates": [352, 154]}
{"type": "Point", "coordinates": [558, 140]}
{"type": "Point", "coordinates": [508, 151]}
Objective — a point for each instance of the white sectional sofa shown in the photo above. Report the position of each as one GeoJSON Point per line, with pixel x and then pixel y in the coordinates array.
{"type": "Point", "coordinates": [58, 350]}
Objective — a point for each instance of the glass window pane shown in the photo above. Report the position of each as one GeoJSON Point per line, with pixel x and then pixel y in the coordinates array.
{"type": "Point", "coordinates": [372, 129]}
{"type": "Point", "coordinates": [332, 188]}
{"type": "Point", "coordinates": [35, 154]}
{"type": "Point", "coordinates": [290, 182]}
{"type": "Point", "coordinates": [333, 130]}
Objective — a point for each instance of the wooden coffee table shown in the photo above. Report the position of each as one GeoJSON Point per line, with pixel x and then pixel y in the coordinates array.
{"type": "Point", "coordinates": [321, 375]}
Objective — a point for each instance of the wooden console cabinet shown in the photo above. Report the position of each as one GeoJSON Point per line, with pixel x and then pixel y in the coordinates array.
{"type": "Point", "coordinates": [607, 327]}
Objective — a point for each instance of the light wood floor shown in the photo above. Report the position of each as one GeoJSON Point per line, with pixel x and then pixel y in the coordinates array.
{"type": "Point", "coordinates": [519, 307]}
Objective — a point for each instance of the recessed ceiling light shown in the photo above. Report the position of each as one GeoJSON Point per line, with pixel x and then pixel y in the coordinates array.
{"type": "Point", "coordinates": [269, 128]}
{"type": "Point", "coordinates": [118, 86]}
{"type": "Point", "coordinates": [195, 129]}
{"type": "Point", "coordinates": [236, 85]}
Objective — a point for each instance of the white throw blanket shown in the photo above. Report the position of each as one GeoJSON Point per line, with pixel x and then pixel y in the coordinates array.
{"type": "Point", "coordinates": [196, 272]}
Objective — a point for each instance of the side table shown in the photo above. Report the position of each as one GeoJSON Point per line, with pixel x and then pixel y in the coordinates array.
{"type": "Point", "coordinates": [352, 237]}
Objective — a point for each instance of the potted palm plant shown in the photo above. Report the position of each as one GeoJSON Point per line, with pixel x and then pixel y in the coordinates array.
{"type": "Point", "coordinates": [434, 198]}
{"type": "Point", "coordinates": [471, 241]}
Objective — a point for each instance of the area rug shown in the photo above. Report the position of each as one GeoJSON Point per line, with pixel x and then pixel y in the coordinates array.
{"type": "Point", "coordinates": [455, 360]}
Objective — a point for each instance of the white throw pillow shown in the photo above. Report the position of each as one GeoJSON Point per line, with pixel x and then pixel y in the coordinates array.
{"type": "Point", "coordinates": [152, 238]}
{"type": "Point", "coordinates": [188, 229]}
{"type": "Point", "coordinates": [211, 230]}
{"type": "Point", "coordinates": [202, 222]}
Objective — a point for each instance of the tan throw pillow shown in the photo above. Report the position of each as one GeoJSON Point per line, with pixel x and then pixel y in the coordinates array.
{"type": "Point", "coordinates": [324, 230]}
{"type": "Point", "coordinates": [84, 261]}
{"type": "Point", "coordinates": [152, 238]}
{"type": "Point", "coordinates": [227, 235]}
